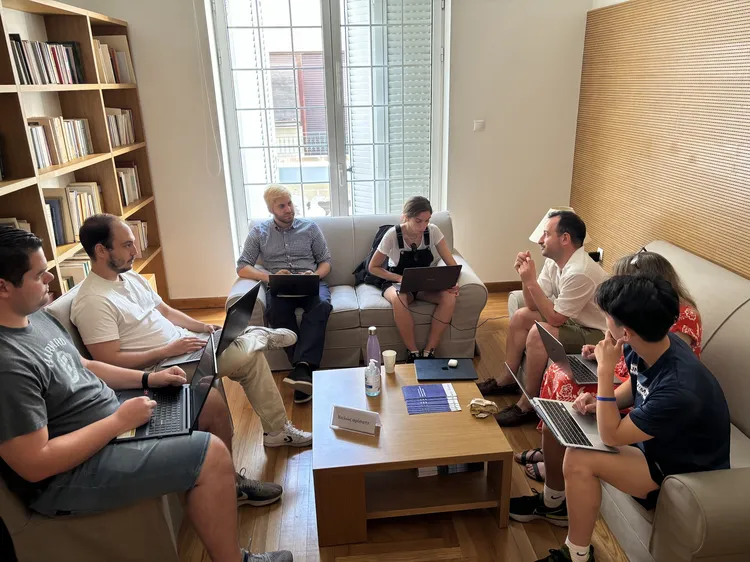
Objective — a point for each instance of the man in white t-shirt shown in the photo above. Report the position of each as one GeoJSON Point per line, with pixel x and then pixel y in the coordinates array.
{"type": "Point", "coordinates": [123, 321]}
{"type": "Point", "coordinates": [561, 299]}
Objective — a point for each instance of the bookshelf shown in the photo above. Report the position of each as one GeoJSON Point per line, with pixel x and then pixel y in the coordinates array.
{"type": "Point", "coordinates": [23, 186]}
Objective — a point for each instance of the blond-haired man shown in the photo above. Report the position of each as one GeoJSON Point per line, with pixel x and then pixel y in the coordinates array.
{"type": "Point", "coordinates": [291, 245]}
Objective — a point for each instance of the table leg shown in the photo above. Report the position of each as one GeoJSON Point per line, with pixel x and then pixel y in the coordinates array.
{"type": "Point", "coordinates": [498, 479]}
{"type": "Point", "coordinates": [340, 508]}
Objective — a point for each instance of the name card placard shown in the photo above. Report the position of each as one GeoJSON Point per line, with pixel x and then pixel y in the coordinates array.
{"type": "Point", "coordinates": [353, 419]}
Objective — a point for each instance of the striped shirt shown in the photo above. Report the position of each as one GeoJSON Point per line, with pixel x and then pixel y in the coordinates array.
{"type": "Point", "coordinates": [299, 248]}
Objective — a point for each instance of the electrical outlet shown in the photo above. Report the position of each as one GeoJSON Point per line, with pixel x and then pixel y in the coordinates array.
{"type": "Point", "coordinates": [601, 254]}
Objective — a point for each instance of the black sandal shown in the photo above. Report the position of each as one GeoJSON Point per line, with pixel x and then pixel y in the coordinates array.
{"type": "Point", "coordinates": [525, 457]}
{"type": "Point", "coordinates": [537, 473]}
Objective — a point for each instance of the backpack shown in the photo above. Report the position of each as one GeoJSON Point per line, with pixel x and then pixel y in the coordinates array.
{"type": "Point", "coordinates": [362, 273]}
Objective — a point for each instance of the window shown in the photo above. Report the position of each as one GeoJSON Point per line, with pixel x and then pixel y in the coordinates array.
{"type": "Point", "coordinates": [339, 100]}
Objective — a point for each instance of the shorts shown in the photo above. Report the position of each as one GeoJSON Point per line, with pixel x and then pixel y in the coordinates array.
{"type": "Point", "coordinates": [573, 336]}
{"type": "Point", "coordinates": [122, 474]}
{"type": "Point", "coordinates": [388, 284]}
{"type": "Point", "coordinates": [649, 502]}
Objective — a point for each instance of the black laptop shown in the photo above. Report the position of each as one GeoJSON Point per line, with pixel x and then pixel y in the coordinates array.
{"type": "Point", "coordinates": [177, 407]}
{"type": "Point", "coordinates": [438, 370]}
{"type": "Point", "coordinates": [429, 279]}
{"type": "Point", "coordinates": [236, 322]}
{"type": "Point", "coordinates": [293, 285]}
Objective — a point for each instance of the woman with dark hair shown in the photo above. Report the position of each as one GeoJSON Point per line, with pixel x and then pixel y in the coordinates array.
{"type": "Point", "coordinates": [557, 385]}
{"type": "Point", "coordinates": [414, 243]}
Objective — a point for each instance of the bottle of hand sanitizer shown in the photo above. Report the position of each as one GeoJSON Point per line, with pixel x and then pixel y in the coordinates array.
{"type": "Point", "coordinates": [372, 379]}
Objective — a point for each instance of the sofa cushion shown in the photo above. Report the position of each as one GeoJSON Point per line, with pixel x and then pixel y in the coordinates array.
{"type": "Point", "coordinates": [375, 310]}
{"type": "Point", "coordinates": [739, 449]}
{"type": "Point", "coordinates": [345, 313]}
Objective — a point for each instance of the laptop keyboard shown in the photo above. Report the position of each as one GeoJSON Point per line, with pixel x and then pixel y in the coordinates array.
{"type": "Point", "coordinates": [581, 373]}
{"type": "Point", "coordinates": [564, 422]}
{"type": "Point", "coordinates": [167, 416]}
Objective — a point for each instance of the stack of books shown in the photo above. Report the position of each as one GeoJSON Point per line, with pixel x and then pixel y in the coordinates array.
{"type": "Point", "coordinates": [57, 140]}
{"type": "Point", "coordinates": [112, 54]}
{"type": "Point", "coordinates": [425, 471]}
{"type": "Point", "coordinates": [47, 63]}
{"type": "Point", "coordinates": [74, 270]}
{"type": "Point", "coordinates": [67, 208]}
{"type": "Point", "coordinates": [140, 231]}
{"type": "Point", "coordinates": [17, 223]}
{"type": "Point", "coordinates": [130, 185]}
{"type": "Point", "coordinates": [120, 123]}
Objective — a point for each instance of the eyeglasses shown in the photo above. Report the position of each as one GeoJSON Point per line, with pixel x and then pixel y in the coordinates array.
{"type": "Point", "coordinates": [634, 261]}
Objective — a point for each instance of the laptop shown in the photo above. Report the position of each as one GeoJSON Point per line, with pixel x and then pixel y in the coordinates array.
{"type": "Point", "coordinates": [581, 370]}
{"type": "Point", "coordinates": [438, 370]}
{"type": "Point", "coordinates": [236, 322]}
{"type": "Point", "coordinates": [177, 407]}
{"type": "Point", "coordinates": [437, 278]}
{"type": "Point", "coordinates": [294, 285]}
{"type": "Point", "coordinates": [570, 428]}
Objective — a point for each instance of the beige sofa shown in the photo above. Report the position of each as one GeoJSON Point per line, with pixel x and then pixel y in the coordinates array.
{"type": "Point", "coordinates": [355, 308]}
{"type": "Point", "coordinates": [704, 516]}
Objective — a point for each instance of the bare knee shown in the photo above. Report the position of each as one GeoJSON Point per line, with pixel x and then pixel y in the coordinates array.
{"type": "Point", "coordinates": [522, 319]}
{"type": "Point", "coordinates": [534, 342]}
{"type": "Point", "coordinates": [218, 462]}
{"type": "Point", "coordinates": [576, 464]}
{"type": "Point", "coordinates": [448, 298]}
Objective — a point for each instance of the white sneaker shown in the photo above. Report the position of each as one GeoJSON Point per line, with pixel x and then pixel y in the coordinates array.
{"type": "Point", "coordinates": [290, 436]}
{"type": "Point", "coordinates": [271, 338]}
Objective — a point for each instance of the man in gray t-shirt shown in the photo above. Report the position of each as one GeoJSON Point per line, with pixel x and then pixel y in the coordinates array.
{"type": "Point", "coordinates": [59, 416]}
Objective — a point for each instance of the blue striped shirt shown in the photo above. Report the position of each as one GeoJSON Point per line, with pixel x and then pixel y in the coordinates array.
{"type": "Point", "coordinates": [299, 248]}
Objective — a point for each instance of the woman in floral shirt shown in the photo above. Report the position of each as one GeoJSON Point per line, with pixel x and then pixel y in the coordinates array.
{"type": "Point", "coordinates": [557, 385]}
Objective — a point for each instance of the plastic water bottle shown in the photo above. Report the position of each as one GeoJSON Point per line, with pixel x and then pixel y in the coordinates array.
{"type": "Point", "coordinates": [373, 346]}
{"type": "Point", "coordinates": [372, 379]}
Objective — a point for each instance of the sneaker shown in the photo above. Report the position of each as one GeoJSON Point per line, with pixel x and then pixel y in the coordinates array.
{"type": "Point", "coordinates": [300, 397]}
{"type": "Point", "coordinates": [290, 436]}
{"type": "Point", "coordinates": [528, 508]}
{"type": "Point", "coordinates": [412, 356]}
{"type": "Point", "coordinates": [256, 493]}
{"type": "Point", "coordinates": [428, 354]}
{"type": "Point", "coordinates": [277, 556]}
{"type": "Point", "coordinates": [272, 338]}
{"type": "Point", "coordinates": [489, 386]}
{"type": "Point", "coordinates": [562, 554]}
{"type": "Point", "coordinates": [300, 378]}
{"type": "Point", "coordinates": [513, 415]}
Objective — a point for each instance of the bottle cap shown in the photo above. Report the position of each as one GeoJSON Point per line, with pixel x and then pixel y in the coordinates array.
{"type": "Point", "coordinates": [372, 330]}
{"type": "Point", "coordinates": [373, 362]}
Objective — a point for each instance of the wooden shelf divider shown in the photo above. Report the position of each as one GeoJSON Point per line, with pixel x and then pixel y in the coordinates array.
{"type": "Point", "coordinates": [148, 255]}
{"type": "Point", "coordinates": [136, 206]}
{"type": "Point", "coordinates": [120, 150]}
{"type": "Point", "coordinates": [10, 186]}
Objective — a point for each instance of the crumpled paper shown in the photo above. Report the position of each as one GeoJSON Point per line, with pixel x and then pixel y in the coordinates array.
{"type": "Point", "coordinates": [481, 408]}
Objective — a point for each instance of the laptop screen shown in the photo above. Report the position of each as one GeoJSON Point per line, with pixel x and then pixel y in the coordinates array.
{"type": "Point", "coordinates": [238, 318]}
{"type": "Point", "coordinates": [204, 375]}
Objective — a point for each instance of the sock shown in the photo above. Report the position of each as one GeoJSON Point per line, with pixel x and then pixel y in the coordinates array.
{"type": "Point", "coordinates": [553, 498]}
{"type": "Point", "coordinates": [577, 553]}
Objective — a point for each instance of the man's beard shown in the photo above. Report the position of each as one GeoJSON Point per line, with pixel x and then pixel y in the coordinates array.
{"type": "Point", "coordinates": [119, 268]}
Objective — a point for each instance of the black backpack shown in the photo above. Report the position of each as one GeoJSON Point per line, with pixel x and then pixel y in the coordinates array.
{"type": "Point", "coordinates": [362, 273]}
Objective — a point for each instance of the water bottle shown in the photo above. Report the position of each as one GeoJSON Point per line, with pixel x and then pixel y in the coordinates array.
{"type": "Point", "coordinates": [372, 379]}
{"type": "Point", "coordinates": [373, 347]}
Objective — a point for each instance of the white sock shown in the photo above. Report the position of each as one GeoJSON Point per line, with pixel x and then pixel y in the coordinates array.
{"type": "Point", "coordinates": [553, 498]}
{"type": "Point", "coordinates": [577, 553]}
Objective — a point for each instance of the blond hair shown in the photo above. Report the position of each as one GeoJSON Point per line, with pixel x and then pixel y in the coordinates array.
{"type": "Point", "coordinates": [274, 192]}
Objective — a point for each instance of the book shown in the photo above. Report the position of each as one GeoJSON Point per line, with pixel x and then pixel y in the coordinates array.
{"type": "Point", "coordinates": [424, 471]}
{"type": "Point", "coordinates": [116, 61]}
{"type": "Point", "coordinates": [140, 233]}
{"type": "Point", "coordinates": [50, 62]}
{"type": "Point", "coordinates": [430, 398]}
{"type": "Point", "coordinates": [12, 221]}
{"type": "Point", "coordinates": [61, 214]}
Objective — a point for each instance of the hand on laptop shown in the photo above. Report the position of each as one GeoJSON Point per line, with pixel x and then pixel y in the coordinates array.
{"type": "Point", "coordinates": [308, 272]}
{"type": "Point", "coordinates": [587, 351]}
{"type": "Point", "coordinates": [283, 272]}
{"type": "Point", "coordinates": [184, 345]}
{"type": "Point", "coordinates": [585, 403]}
{"type": "Point", "coordinates": [211, 328]}
{"type": "Point", "coordinates": [134, 413]}
{"type": "Point", "coordinates": [172, 376]}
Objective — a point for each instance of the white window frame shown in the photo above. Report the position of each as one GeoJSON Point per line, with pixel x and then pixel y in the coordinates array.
{"type": "Point", "coordinates": [331, 26]}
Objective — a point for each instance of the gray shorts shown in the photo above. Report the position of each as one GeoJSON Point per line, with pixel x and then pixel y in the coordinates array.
{"type": "Point", "coordinates": [122, 474]}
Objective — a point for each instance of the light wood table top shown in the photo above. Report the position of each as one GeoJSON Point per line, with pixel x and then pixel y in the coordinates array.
{"type": "Point", "coordinates": [404, 441]}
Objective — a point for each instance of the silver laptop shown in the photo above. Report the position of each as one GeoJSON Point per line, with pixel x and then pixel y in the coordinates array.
{"type": "Point", "coordinates": [582, 371]}
{"type": "Point", "coordinates": [570, 428]}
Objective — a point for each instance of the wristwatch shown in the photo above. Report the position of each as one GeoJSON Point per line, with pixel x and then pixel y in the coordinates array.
{"type": "Point", "coordinates": [144, 380]}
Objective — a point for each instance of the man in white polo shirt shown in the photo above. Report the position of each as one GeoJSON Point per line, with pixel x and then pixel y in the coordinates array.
{"type": "Point", "coordinates": [561, 299]}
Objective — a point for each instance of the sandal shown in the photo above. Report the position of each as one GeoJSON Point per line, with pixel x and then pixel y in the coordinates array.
{"type": "Point", "coordinates": [529, 456]}
{"type": "Point", "coordinates": [533, 471]}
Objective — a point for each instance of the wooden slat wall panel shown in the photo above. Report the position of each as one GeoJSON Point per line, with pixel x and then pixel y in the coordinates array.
{"type": "Point", "coordinates": [663, 142]}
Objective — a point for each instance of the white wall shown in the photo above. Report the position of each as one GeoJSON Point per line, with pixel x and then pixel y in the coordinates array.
{"type": "Point", "coordinates": [603, 3]}
{"type": "Point", "coordinates": [190, 189]}
{"type": "Point", "coordinates": [517, 65]}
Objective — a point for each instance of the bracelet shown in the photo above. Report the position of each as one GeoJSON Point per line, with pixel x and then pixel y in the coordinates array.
{"type": "Point", "coordinates": [144, 380]}
{"type": "Point", "coordinates": [606, 398]}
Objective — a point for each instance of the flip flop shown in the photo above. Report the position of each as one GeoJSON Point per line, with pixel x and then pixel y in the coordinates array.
{"type": "Point", "coordinates": [525, 456]}
{"type": "Point", "coordinates": [533, 472]}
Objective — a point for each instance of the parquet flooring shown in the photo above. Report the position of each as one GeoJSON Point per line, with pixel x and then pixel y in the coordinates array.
{"type": "Point", "coordinates": [467, 536]}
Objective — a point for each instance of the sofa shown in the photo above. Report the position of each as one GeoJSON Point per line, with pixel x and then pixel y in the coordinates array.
{"type": "Point", "coordinates": [702, 516]}
{"type": "Point", "coordinates": [151, 526]}
{"type": "Point", "coordinates": [356, 308]}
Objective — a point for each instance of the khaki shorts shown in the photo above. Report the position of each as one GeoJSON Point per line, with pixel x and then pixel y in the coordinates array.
{"type": "Point", "coordinates": [573, 336]}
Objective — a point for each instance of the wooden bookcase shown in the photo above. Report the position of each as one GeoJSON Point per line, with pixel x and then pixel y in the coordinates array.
{"type": "Point", "coordinates": [22, 187]}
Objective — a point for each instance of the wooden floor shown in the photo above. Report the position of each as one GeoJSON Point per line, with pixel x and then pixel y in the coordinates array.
{"type": "Point", "coordinates": [290, 524]}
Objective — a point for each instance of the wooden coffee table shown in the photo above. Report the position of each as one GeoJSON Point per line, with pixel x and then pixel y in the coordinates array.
{"type": "Point", "coordinates": [359, 477]}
